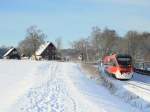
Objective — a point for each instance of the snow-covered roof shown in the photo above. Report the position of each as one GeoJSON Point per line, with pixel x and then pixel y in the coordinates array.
{"type": "Point", "coordinates": [9, 51]}
{"type": "Point", "coordinates": [42, 48]}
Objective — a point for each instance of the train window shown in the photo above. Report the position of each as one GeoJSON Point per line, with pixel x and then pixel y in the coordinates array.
{"type": "Point", "coordinates": [124, 61]}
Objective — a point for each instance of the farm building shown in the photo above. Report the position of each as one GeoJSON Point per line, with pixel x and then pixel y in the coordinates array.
{"type": "Point", "coordinates": [12, 53]}
{"type": "Point", "coordinates": [46, 51]}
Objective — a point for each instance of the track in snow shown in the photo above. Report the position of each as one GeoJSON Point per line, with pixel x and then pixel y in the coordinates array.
{"type": "Point", "coordinates": [141, 86]}
{"type": "Point", "coordinates": [51, 96]}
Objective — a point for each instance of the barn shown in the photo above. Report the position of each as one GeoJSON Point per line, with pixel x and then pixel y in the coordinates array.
{"type": "Point", "coordinates": [46, 51]}
{"type": "Point", "coordinates": [12, 53]}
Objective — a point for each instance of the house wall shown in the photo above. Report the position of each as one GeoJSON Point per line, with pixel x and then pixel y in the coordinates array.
{"type": "Point", "coordinates": [49, 53]}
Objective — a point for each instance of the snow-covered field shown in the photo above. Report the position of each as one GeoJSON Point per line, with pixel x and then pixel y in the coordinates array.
{"type": "Point", "coordinates": [30, 86]}
{"type": "Point", "coordinates": [16, 77]}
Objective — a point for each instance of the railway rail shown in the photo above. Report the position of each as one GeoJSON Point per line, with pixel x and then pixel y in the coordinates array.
{"type": "Point", "coordinates": [139, 85]}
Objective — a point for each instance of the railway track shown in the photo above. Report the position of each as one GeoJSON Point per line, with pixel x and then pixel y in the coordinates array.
{"type": "Point", "coordinates": [141, 90]}
{"type": "Point", "coordinates": [140, 86]}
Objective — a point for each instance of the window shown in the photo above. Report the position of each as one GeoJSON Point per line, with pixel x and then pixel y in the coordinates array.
{"type": "Point", "coordinates": [124, 61]}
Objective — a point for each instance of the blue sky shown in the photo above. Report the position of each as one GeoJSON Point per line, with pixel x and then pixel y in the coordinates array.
{"type": "Point", "coordinates": [70, 19]}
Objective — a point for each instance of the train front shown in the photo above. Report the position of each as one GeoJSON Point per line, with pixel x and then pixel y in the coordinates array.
{"type": "Point", "coordinates": [125, 69]}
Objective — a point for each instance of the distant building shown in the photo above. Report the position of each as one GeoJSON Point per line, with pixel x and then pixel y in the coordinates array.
{"type": "Point", "coordinates": [12, 53]}
{"type": "Point", "coordinates": [46, 51]}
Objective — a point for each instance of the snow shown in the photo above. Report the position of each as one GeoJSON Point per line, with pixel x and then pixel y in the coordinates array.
{"type": "Point", "coordinates": [30, 86]}
{"type": "Point", "coordinates": [141, 78]}
{"type": "Point", "coordinates": [141, 86]}
{"type": "Point", "coordinates": [15, 78]}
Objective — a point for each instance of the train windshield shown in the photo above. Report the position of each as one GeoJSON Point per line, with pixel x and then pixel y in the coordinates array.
{"type": "Point", "coordinates": [124, 60]}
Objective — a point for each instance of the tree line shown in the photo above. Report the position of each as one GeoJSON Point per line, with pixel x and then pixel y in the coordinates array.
{"type": "Point", "coordinates": [107, 41]}
{"type": "Point", "coordinates": [99, 43]}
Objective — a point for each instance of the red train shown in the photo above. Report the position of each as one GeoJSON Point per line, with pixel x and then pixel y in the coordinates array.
{"type": "Point", "coordinates": [119, 65]}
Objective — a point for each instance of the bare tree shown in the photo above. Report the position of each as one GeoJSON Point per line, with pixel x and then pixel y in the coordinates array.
{"type": "Point", "coordinates": [105, 42]}
{"type": "Point", "coordinates": [82, 46]}
{"type": "Point", "coordinates": [35, 37]}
